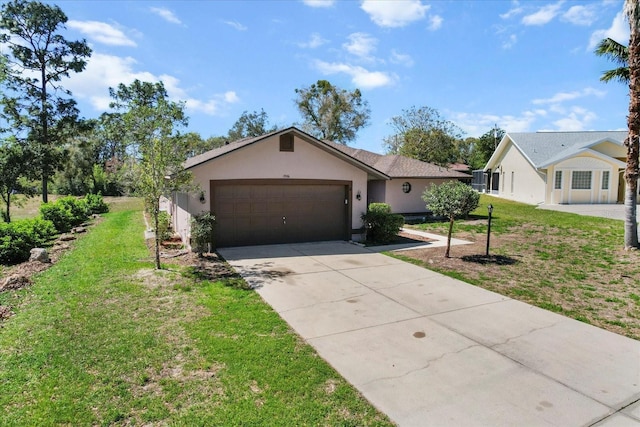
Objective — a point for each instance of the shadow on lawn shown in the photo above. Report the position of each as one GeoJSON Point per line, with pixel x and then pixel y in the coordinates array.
{"type": "Point", "coordinates": [491, 259]}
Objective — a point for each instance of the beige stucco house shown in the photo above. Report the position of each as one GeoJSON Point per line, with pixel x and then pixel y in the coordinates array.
{"type": "Point", "coordinates": [559, 167]}
{"type": "Point", "coordinates": [287, 186]}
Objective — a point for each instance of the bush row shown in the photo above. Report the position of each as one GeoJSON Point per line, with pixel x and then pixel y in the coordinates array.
{"type": "Point", "coordinates": [69, 212]}
{"type": "Point", "coordinates": [19, 237]}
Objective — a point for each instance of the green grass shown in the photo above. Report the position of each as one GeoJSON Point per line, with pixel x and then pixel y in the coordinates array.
{"type": "Point", "coordinates": [101, 338]}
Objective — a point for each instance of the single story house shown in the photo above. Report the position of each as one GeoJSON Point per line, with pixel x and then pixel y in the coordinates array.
{"type": "Point", "coordinates": [559, 167]}
{"type": "Point", "coordinates": [287, 186]}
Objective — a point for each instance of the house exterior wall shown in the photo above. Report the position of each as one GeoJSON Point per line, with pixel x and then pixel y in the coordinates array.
{"type": "Point", "coordinates": [595, 194]}
{"type": "Point", "coordinates": [264, 160]}
{"type": "Point", "coordinates": [411, 202]}
{"type": "Point", "coordinates": [519, 180]}
{"type": "Point", "coordinates": [376, 191]}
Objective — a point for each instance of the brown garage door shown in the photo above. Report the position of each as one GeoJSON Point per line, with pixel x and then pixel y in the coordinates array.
{"type": "Point", "coordinates": [279, 211]}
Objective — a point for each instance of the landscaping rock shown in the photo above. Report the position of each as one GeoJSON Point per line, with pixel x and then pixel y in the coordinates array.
{"type": "Point", "coordinates": [78, 230]}
{"type": "Point", "coordinates": [15, 281]}
{"type": "Point", "coordinates": [66, 237]}
{"type": "Point", "coordinates": [39, 254]}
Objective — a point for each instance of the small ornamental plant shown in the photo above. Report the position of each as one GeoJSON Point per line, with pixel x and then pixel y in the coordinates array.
{"type": "Point", "coordinates": [202, 231]}
{"type": "Point", "coordinates": [453, 199]}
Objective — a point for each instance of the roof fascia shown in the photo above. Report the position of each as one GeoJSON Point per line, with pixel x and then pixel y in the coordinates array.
{"type": "Point", "coordinates": [583, 151]}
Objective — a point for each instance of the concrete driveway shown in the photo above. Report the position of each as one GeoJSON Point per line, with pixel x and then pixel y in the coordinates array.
{"type": "Point", "coordinates": [611, 211]}
{"type": "Point", "coordinates": [429, 350]}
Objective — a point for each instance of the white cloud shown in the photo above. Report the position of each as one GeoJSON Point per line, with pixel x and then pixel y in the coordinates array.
{"type": "Point", "coordinates": [235, 24]}
{"type": "Point", "coordinates": [510, 41]}
{"type": "Point", "coordinates": [618, 31]}
{"type": "Point", "coordinates": [319, 3]}
{"type": "Point", "coordinates": [315, 41]}
{"type": "Point", "coordinates": [105, 71]}
{"type": "Point", "coordinates": [101, 32]}
{"type": "Point", "coordinates": [400, 58]}
{"type": "Point", "coordinates": [435, 22]}
{"type": "Point", "coordinates": [544, 15]}
{"type": "Point", "coordinates": [580, 15]}
{"type": "Point", "coordinates": [569, 96]}
{"type": "Point", "coordinates": [516, 9]}
{"type": "Point", "coordinates": [359, 76]}
{"type": "Point", "coordinates": [360, 44]}
{"type": "Point", "coordinates": [476, 124]}
{"type": "Point", "coordinates": [393, 13]}
{"type": "Point", "coordinates": [166, 14]}
{"type": "Point", "coordinates": [578, 119]}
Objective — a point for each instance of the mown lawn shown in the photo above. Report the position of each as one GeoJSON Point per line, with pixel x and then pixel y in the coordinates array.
{"type": "Point", "coordinates": [101, 338]}
{"type": "Point", "coordinates": [563, 262]}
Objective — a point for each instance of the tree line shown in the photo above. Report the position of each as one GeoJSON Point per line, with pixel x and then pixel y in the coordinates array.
{"type": "Point", "coordinates": [46, 146]}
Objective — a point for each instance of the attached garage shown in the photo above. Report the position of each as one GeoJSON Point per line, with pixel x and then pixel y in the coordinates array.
{"type": "Point", "coordinates": [271, 211]}
{"type": "Point", "coordinates": [283, 187]}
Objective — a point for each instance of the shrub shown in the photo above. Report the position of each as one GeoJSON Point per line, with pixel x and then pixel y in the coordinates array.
{"type": "Point", "coordinates": [78, 208]}
{"type": "Point", "coordinates": [381, 225]}
{"type": "Point", "coordinates": [164, 225]}
{"type": "Point", "coordinates": [202, 231]}
{"type": "Point", "coordinates": [65, 213]}
{"type": "Point", "coordinates": [58, 214]}
{"type": "Point", "coordinates": [19, 237]}
{"type": "Point", "coordinates": [95, 204]}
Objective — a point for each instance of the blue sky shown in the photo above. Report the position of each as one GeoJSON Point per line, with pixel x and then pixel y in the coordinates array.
{"type": "Point", "coordinates": [523, 65]}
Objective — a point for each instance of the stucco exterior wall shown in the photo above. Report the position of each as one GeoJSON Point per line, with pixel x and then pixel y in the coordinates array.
{"type": "Point", "coordinates": [595, 194]}
{"type": "Point", "coordinates": [376, 191]}
{"type": "Point", "coordinates": [519, 180]}
{"type": "Point", "coordinates": [411, 202]}
{"type": "Point", "coordinates": [264, 160]}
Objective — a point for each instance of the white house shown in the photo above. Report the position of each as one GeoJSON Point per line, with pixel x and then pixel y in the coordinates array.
{"type": "Point", "coordinates": [559, 167]}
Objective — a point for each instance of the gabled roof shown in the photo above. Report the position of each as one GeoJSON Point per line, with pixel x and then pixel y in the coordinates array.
{"type": "Point", "coordinates": [397, 166]}
{"type": "Point", "coordinates": [377, 165]}
{"type": "Point", "coordinates": [542, 149]}
{"type": "Point", "coordinates": [242, 143]}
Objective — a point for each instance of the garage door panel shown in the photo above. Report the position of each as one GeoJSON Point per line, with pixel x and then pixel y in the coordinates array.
{"type": "Point", "coordinates": [252, 213]}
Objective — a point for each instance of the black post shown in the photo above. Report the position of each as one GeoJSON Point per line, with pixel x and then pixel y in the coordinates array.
{"type": "Point", "coordinates": [490, 208]}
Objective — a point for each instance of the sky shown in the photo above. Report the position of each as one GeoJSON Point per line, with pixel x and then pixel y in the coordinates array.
{"type": "Point", "coordinates": [522, 65]}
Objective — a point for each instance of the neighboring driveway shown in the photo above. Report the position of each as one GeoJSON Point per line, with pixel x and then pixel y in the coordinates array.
{"type": "Point", "coordinates": [612, 211]}
{"type": "Point", "coordinates": [427, 349]}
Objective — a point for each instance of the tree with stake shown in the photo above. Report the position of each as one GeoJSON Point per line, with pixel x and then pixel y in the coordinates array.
{"type": "Point", "coordinates": [39, 58]}
{"type": "Point", "coordinates": [451, 199]}
{"type": "Point", "coordinates": [151, 120]}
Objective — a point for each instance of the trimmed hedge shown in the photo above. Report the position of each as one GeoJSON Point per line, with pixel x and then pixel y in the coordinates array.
{"type": "Point", "coordinates": [381, 224]}
{"type": "Point", "coordinates": [19, 237]}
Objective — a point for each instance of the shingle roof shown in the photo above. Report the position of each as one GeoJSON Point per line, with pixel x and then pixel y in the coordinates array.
{"type": "Point", "coordinates": [397, 166]}
{"type": "Point", "coordinates": [393, 166]}
{"type": "Point", "coordinates": [541, 148]}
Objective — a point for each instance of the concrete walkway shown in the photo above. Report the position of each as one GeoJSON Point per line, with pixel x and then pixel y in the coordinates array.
{"type": "Point", "coordinates": [429, 350]}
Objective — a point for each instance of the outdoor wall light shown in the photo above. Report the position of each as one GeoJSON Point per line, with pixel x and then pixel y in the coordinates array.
{"type": "Point", "coordinates": [201, 198]}
{"type": "Point", "coordinates": [406, 187]}
{"type": "Point", "coordinates": [358, 195]}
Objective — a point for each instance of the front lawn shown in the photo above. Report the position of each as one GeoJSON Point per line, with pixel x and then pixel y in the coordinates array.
{"type": "Point", "coordinates": [567, 263]}
{"type": "Point", "coordinates": [101, 338]}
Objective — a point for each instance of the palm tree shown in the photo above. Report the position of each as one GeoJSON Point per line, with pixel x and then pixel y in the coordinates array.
{"type": "Point", "coordinates": [632, 11]}
{"type": "Point", "coordinates": [618, 53]}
